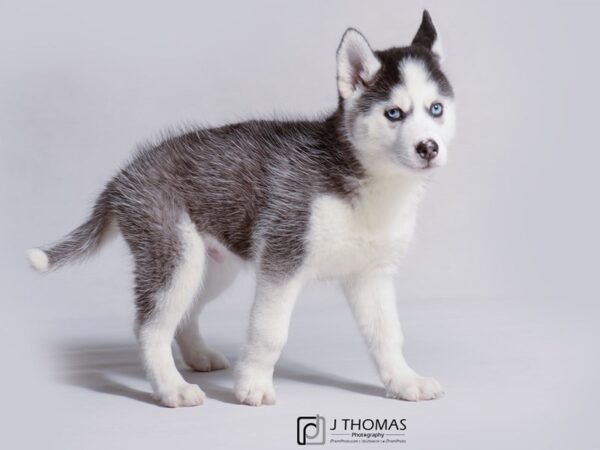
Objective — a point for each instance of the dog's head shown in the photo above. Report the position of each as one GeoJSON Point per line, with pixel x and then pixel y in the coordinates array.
{"type": "Point", "coordinates": [397, 104]}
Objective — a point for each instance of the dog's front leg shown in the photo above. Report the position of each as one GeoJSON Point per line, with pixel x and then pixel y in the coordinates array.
{"type": "Point", "coordinates": [372, 299]}
{"type": "Point", "coordinates": [267, 333]}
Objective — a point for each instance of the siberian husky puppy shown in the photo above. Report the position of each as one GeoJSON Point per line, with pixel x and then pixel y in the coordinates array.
{"type": "Point", "coordinates": [301, 200]}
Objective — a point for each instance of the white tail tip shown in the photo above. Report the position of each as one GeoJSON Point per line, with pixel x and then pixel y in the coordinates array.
{"type": "Point", "coordinates": [38, 259]}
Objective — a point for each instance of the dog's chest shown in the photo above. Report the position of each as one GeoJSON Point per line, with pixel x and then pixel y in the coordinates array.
{"type": "Point", "coordinates": [346, 238]}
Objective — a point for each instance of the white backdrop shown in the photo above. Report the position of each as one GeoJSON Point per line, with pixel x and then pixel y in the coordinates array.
{"type": "Point", "coordinates": [498, 292]}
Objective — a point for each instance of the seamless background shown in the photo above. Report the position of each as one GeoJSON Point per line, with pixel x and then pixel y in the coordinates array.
{"type": "Point", "coordinates": [498, 295]}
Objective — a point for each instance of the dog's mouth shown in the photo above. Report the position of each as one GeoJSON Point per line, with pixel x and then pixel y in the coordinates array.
{"type": "Point", "coordinates": [417, 166]}
{"type": "Point", "coordinates": [430, 166]}
{"type": "Point", "coordinates": [424, 168]}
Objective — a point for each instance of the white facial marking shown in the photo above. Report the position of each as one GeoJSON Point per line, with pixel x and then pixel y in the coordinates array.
{"type": "Point", "coordinates": [387, 146]}
{"type": "Point", "coordinates": [415, 96]}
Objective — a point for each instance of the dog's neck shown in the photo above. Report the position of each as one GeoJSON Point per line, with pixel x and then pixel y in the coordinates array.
{"type": "Point", "coordinates": [389, 198]}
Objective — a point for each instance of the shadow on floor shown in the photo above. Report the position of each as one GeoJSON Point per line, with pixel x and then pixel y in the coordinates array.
{"type": "Point", "coordinates": [104, 367]}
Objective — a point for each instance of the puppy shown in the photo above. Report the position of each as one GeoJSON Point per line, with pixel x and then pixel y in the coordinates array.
{"type": "Point", "coordinates": [301, 200]}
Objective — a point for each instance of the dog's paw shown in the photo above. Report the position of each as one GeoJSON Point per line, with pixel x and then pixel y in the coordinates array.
{"type": "Point", "coordinates": [181, 395]}
{"type": "Point", "coordinates": [254, 389]}
{"type": "Point", "coordinates": [414, 388]}
{"type": "Point", "coordinates": [206, 361]}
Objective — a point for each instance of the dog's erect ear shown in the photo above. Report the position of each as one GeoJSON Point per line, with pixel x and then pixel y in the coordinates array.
{"type": "Point", "coordinates": [356, 63]}
{"type": "Point", "coordinates": [427, 36]}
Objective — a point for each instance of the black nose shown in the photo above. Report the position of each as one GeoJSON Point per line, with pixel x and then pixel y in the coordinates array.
{"type": "Point", "coordinates": [427, 149]}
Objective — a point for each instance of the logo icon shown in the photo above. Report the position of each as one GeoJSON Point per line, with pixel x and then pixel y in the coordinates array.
{"type": "Point", "coordinates": [311, 430]}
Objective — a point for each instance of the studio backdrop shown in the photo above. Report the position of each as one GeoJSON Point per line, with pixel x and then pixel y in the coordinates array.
{"type": "Point", "coordinates": [498, 293]}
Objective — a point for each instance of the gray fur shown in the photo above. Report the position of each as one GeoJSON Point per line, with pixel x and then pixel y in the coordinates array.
{"type": "Point", "coordinates": [83, 240]}
{"type": "Point", "coordinates": [250, 185]}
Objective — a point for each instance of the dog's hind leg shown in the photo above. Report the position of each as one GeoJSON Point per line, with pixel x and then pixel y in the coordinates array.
{"type": "Point", "coordinates": [193, 349]}
{"type": "Point", "coordinates": [219, 274]}
{"type": "Point", "coordinates": [170, 261]}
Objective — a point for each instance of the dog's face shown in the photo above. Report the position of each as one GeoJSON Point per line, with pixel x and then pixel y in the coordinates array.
{"type": "Point", "coordinates": [398, 105]}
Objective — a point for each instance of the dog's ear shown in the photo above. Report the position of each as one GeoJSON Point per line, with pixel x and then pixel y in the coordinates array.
{"type": "Point", "coordinates": [357, 65]}
{"type": "Point", "coordinates": [427, 36]}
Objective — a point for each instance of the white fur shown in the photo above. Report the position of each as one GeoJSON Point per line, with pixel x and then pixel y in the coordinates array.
{"type": "Point", "coordinates": [438, 49]}
{"type": "Point", "coordinates": [38, 259]}
{"type": "Point", "coordinates": [218, 275]}
{"type": "Point", "coordinates": [156, 334]}
{"type": "Point", "coordinates": [373, 231]}
{"type": "Point", "coordinates": [372, 299]}
{"type": "Point", "coordinates": [193, 349]}
{"type": "Point", "coordinates": [267, 333]}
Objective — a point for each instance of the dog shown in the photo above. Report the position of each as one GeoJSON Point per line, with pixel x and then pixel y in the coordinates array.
{"type": "Point", "coordinates": [334, 198]}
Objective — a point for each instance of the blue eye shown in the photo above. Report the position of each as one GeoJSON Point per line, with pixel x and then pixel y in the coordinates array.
{"type": "Point", "coordinates": [394, 114]}
{"type": "Point", "coordinates": [436, 110]}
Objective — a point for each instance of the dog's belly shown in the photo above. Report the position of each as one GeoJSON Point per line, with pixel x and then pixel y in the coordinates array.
{"type": "Point", "coordinates": [342, 240]}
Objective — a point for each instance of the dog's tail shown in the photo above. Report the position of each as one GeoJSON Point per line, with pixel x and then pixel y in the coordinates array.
{"type": "Point", "coordinates": [79, 243]}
